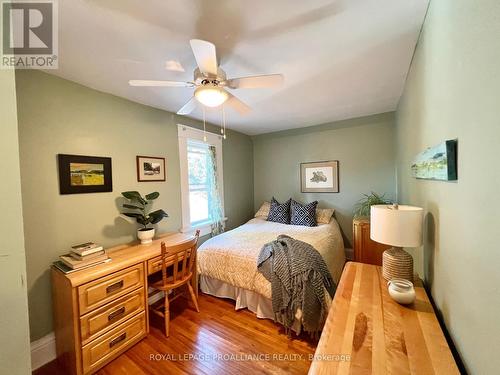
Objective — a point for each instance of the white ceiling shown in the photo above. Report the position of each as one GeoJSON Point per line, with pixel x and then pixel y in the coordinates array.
{"type": "Point", "coordinates": [341, 59]}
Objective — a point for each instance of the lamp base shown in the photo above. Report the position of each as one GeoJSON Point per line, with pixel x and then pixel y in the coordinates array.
{"type": "Point", "coordinates": [397, 264]}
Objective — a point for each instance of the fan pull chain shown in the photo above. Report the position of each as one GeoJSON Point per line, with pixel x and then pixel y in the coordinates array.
{"type": "Point", "coordinates": [204, 126]}
{"type": "Point", "coordinates": [223, 122]}
{"type": "Point", "coordinates": [221, 128]}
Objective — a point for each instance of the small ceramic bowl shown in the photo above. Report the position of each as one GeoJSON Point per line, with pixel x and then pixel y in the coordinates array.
{"type": "Point", "coordinates": [401, 291]}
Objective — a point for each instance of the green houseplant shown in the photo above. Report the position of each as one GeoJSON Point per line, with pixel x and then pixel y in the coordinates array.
{"type": "Point", "coordinates": [138, 208]}
{"type": "Point", "coordinates": [362, 207]}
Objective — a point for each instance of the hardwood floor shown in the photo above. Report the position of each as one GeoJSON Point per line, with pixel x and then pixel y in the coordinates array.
{"type": "Point", "coordinates": [217, 340]}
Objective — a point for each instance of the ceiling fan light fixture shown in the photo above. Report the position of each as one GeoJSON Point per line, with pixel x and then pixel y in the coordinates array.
{"type": "Point", "coordinates": [209, 81]}
{"type": "Point", "coordinates": [211, 96]}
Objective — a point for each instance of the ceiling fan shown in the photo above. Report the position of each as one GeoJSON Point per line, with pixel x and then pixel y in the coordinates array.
{"type": "Point", "coordinates": [210, 81]}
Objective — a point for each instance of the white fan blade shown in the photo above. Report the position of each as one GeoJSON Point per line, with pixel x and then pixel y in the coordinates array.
{"type": "Point", "coordinates": [142, 83]}
{"type": "Point", "coordinates": [254, 82]}
{"type": "Point", "coordinates": [205, 55]}
{"type": "Point", "coordinates": [237, 104]}
{"type": "Point", "coordinates": [188, 107]}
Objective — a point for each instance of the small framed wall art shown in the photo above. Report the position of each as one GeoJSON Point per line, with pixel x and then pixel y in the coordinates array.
{"type": "Point", "coordinates": [150, 168]}
{"type": "Point", "coordinates": [84, 174]}
{"type": "Point", "coordinates": [320, 177]}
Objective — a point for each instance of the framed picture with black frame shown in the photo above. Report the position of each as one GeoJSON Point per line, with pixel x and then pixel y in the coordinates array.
{"type": "Point", "coordinates": [79, 174]}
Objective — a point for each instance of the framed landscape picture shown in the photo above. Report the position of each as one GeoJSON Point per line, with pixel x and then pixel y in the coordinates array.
{"type": "Point", "coordinates": [320, 177]}
{"type": "Point", "coordinates": [150, 168]}
{"type": "Point", "coordinates": [437, 163]}
{"type": "Point", "coordinates": [84, 174]}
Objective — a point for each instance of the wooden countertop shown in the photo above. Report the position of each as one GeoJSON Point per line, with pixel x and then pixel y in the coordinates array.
{"type": "Point", "coordinates": [125, 255]}
{"type": "Point", "coordinates": [366, 332]}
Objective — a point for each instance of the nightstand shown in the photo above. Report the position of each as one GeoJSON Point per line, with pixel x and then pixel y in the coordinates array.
{"type": "Point", "coordinates": [365, 249]}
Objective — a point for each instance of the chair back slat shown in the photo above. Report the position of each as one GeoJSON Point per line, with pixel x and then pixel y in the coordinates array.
{"type": "Point", "coordinates": [192, 258]}
{"type": "Point", "coordinates": [184, 262]}
{"type": "Point", "coordinates": [163, 263]}
{"type": "Point", "coordinates": [180, 255]}
{"type": "Point", "coordinates": [176, 264]}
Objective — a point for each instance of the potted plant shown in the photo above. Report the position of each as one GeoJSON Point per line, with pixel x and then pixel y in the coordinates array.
{"type": "Point", "coordinates": [138, 208]}
{"type": "Point", "coordinates": [362, 207]}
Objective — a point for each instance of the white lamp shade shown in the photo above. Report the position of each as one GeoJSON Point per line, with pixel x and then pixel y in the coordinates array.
{"type": "Point", "coordinates": [401, 226]}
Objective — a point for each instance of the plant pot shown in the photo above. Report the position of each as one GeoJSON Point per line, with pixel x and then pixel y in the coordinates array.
{"type": "Point", "coordinates": [146, 235]}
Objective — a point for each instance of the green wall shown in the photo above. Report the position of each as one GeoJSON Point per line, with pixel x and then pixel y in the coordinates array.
{"type": "Point", "coordinates": [14, 342]}
{"type": "Point", "coordinates": [453, 91]}
{"type": "Point", "coordinates": [363, 146]}
{"type": "Point", "coordinates": [59, 116]}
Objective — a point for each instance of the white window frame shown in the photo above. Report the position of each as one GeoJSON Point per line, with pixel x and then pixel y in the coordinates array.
{"type": "Point", "coordinates": [186, 133]}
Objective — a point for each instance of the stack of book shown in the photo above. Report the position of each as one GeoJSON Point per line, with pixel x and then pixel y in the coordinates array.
{"type": "Point", "coordinates": [82, 256]}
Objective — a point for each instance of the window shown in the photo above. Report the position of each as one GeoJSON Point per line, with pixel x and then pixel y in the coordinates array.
{"type": "Point", "coordinates": [197, 177]}
{"type": "Point", "coordinates": [198, 159]}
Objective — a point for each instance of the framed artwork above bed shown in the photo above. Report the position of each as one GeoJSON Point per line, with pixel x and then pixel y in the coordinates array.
{"type": "Point", "coordinates": [319, 177]}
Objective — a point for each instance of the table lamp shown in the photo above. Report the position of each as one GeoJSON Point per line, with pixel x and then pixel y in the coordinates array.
{"type": "Point", "coordinates": [398, 226]}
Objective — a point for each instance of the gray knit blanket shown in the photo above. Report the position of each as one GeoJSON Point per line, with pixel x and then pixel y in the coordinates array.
{"type": "Point", "coordinates": [298, 276]}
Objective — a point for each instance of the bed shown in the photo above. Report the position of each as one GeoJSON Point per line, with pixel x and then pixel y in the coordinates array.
{"type": "Point", "coordinates": [227, 263]}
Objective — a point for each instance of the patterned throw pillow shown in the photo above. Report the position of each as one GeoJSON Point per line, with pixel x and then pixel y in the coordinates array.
{"type": "Point", "coordinates": [304, 214]}
{"type": "Point", "coordinates": [263, 210]}
{"type": "Point", "coordinates": [279, 212]}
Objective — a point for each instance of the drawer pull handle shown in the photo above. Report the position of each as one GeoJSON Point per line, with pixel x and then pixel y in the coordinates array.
{"type": "Point", "coordinates": [117, 340]}
{"type": "Point", "coordinates": [117, 313]}
{"type": "Point", "coordinates": [114, 287]}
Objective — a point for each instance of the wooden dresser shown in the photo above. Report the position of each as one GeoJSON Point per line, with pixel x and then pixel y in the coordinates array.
{"type": "Point", "coordinates": [366, 332]}
{"type": "Point", "coordinates": [365, 249]}
{"type": "Point", "coordinates": [102, 311]}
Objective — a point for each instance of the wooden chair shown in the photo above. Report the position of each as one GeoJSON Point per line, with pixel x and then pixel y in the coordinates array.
{"type": "Point", "coordinates": [177, 271]}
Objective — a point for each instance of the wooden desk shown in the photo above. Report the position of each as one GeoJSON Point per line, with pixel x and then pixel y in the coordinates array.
{"type": "Point", "coordinates": [376, 335]}
{"type": "Point", "coordinates": [102, 311]}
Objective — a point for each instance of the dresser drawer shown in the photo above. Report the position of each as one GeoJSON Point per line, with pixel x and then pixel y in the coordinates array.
{"type": "Point", "coordinates": [114, 342]}
{"type": "Point", "coordinates": [101, 291]}
{"type": "Point", "coordinates": [103, 319]}
{"type": "Point", "coordinates": [154, 265]}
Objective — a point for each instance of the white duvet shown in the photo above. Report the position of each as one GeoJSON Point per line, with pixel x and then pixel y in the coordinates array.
{"type": "Point", "coordinates": [231, 257]}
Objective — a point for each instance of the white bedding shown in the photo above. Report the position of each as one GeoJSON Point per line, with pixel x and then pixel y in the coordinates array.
{"type": "Point", "coordinates": [231, 257]}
